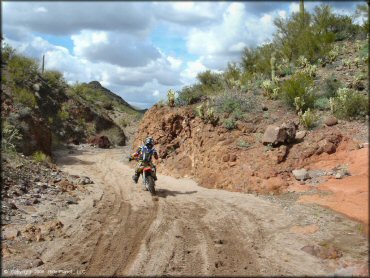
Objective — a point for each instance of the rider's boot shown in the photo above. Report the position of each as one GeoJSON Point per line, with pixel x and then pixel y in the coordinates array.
{"type": "Point", "coordinates": [135, 177]}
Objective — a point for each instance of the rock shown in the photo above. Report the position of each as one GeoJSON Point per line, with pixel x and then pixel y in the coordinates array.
{"type": "Point", "coordinates": [36, 87]}
{"type": "Point", "coordinates": [72, 201]}
{"type": "Point", "coordinates": [330, 121]}
{"type": "Point", "coordinates": [233, 158]}
{"type": "Point", "coordinates": [281, 154]}
{"type": "Point", "coordinates": [300, 174]}
{"type": "Point", "coordinates": [339, 175]}
{"type": "Point", "coordinates": [101, 141]}
{"type": "Point", "coordinates": [326, 146]}
{"type": "Point", "coordinates": [272, 135]}
{"type": "Point", "coordinates": [264, 108]}
{"type": "Point", "coordinates": [13, 206]}
{"type": "Point", "coordinates": [275, 135]}
{"type": "Point", "coordinates": [300, 135]}
{"type": "Point", "coordinates": [226, 158]}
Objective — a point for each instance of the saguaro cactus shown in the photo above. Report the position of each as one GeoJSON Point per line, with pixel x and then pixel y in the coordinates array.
{"type": "Point", "coordinates": [273, 67]}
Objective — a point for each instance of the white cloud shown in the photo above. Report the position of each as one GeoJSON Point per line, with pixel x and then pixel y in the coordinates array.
{"type": "Point", "coordinates": [156, 93]}
{"type": "Point", "coordinates": [191, 71]}
{"type": "Point", "coordinates": [118, 49]}
{"type": "Point", "coordinates": [175, 63]}
{"type": "Point", "coordinates": [40, 10]}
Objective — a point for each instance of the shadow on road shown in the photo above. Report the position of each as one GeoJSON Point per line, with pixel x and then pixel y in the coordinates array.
{"type": "Point", "coordinates": [164, 192]}
{"type": "Point", "coordinates": [69, 157]}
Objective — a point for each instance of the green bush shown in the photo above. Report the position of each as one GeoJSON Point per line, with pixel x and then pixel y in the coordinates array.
{"type": "Point", "coordinates": [189, 95]}
{"type": "Point", "coordinates": [299, 85]}
{"type": "Point", "coordinates": [25, 97]}
{"type": "Point", "coordinates": [10, 134]}
{"type": "Point", "coordinates": [229, 123]}
{"type": "Point", "coordinates": [22, 70]}
{"type": "Point", "coordinates": [349, 104]}
{"type": "Point", "coordinates": [7, 52]}
{"type": "Point", "coordinates": [54, 78]}
{"type": "Point", "coordinates": [243, 144]}
{"type": "Point", "coordinates": [39, 156]}
{"type": "Point", "coordinates": [322, 103]}
{"type": "Point", "coordinates": [331, 86]}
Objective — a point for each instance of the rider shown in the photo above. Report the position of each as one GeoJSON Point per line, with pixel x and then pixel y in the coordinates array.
{"type": "Point", "coordinates": [144, 155]}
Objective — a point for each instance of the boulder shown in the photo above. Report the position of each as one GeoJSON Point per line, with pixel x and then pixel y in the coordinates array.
{"type": "Point", "coordinates": [300, 135]}
{"type": "Point", "coordinates": [101, 141]}
{"type": "Point", "coordinates": [279, 135]}
{"type": "Point", "coordinates": [331, 120]}
{"type": "Point", "coordinates": [300, 174]}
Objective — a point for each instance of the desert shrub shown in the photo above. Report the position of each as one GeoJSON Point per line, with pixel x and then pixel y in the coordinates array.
{"type": "Point", "coordinates": [322, 103]}
{"type": "Point", "coordinates": [230, 124]}
{"type": "Point", "coordinates": [331, 86]}
{"type": "Point", "coordinates": [7, 53]}
{"type": "Point", "coordinates": [307, 118]}
{"type": "Point", "coordinates": [210, 82]}
{"type": "Point", "coordinates": [299, 85]}
{"type": "Point", "coordinates": [63, 113]}
{"type": "Point", "coordinates": [349, 104]}
{"type": "Point", "coordinates": [39, 156]}
{"type": "Point", "coordinates": [22, 70]}
{"type": "Point", "coordinates": [10, 134]}
{"type": "Point", "coordinates": [24, 96]}
{"type": "Point", "coordinates": [54, 78]}
{"type": "Point", "coordinates": [258, 60]}
{"type": "Point", "coordinates": [243, 144]}
{"type": "Point", "coordinates": [189, 95]}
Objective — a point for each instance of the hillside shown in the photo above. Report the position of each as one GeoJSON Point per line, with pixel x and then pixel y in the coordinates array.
{"type": "Point", "coordinates": [44, 111]}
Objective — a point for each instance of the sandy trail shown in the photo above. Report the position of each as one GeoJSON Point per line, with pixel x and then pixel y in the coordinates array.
{"type": "Point", "coordinates": [186, 230]}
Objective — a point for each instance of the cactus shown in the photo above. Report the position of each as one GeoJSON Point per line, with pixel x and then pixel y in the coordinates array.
{"type": "Point", "coordinates": [299, 103]}
{"type": "Point", "coordinates": [356, 61]}
{"type": "Point", "coordinates": [273, 66]}
{"type": "Point", "coordinates": [201, 110]}
{"type": "Point", "coordinates": [358, 45]}
{"type": "Point", "coordinates": [308, 118]}
{"type": "Point", "coordinates": [333, 54]}
{"type": "Point", "coordinates": [347, 63]}
{"type": "Point", "coordinates": [302, 62]}
{"type": "Point", "coordinates": [171, 98]}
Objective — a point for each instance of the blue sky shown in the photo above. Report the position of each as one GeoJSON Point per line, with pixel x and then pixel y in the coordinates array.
{"type": "Point", "coordinates": [140, 50]}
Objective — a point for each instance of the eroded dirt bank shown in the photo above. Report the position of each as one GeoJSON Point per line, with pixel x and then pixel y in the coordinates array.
{"type": "Point", "coordinates": [190, 230]}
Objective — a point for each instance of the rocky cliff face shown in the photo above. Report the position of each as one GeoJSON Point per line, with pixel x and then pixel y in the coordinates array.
{"type": "Point", "coordinates": [235, 160]}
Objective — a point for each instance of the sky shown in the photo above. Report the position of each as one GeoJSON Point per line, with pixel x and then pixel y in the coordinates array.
{"type": "Point", "coordinates": [140, 50]}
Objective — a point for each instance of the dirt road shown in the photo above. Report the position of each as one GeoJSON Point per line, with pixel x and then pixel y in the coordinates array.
{"type": "Point", "coordinates": [189, 230]}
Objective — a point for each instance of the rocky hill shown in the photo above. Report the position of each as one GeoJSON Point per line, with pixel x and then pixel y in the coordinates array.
{"type": "Point", "coordinates": [44, 111]}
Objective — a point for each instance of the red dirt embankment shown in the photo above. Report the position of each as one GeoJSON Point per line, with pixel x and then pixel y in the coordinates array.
{"type": "Point", "coordinates": [236, 160]}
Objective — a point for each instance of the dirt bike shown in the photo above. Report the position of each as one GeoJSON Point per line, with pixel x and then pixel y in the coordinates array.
{"type": "Point", "coordinates": [148, 175]}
